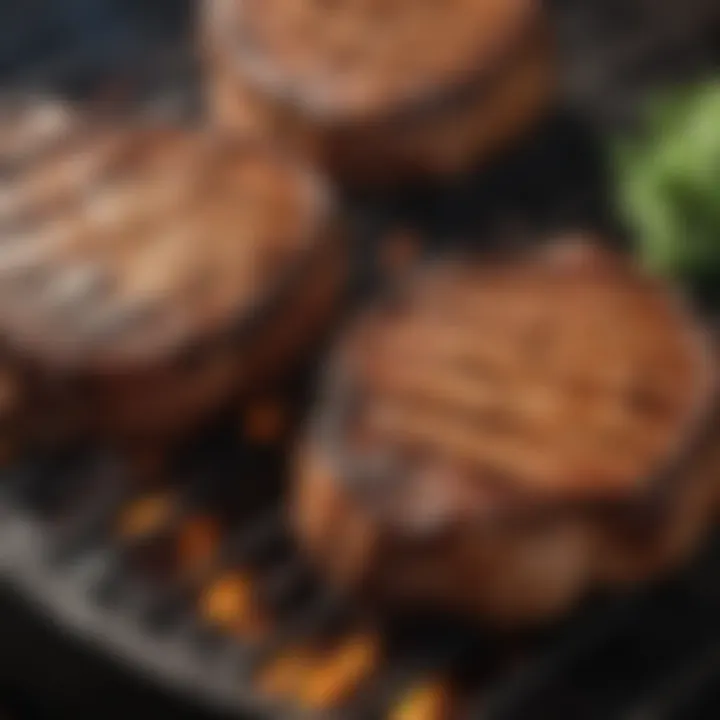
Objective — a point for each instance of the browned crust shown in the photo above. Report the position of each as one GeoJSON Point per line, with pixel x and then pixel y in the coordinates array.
{"type": "Point", "coordinates": [517, 557]}
{"type": "Point", "coordinates": [218, 322]}
{"type": "Point", "coordinates": [447, 138]}
{"type": "Point", "coordinates": [172, 395]}
{"type": "Point", "coordinates": [578, 257]}
{"type": "Point", "coordinates": [494, 33]}
{"type": "Point", "coordinates": [64, 228]}
{"type": "Point", "coordinates": [509, 573]}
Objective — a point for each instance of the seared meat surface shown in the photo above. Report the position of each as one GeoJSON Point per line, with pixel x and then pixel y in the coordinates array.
{"type": "Point", "coordinates": [160, 271]}
{"type": "Point", "coordinates": [500, 438]}
{"type": "Point", "coordinates": [380, 91]}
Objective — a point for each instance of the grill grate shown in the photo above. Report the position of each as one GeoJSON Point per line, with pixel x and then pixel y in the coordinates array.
{"type": "Point", "coordinates": [163, 574]}
{"type": "Point", "coordinates": [187, 571]}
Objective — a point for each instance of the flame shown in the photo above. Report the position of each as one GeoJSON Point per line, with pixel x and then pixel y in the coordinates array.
{"type": "Point", "coordinates": [338, 674]}
{"type": "Point", "coordinates": [230, 603]}
{"type": "Point", "coordinates": [145, 515]}
{"type": "Point", "coordinates": [317, 679]}
{"type": "Point", "coordinates": [427, 701]}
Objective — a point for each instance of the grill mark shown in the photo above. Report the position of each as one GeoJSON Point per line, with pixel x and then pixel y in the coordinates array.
{"type": "Point", "coordinates": [106, 212]}
{"type": "Point", "coordinates": [549, 391]}
{"type": "Point", "coordinates": [494, 436]}
{"type": "Point", "coordinates": [41, 190]}
{"type": "Point", "coordinates": [363, 56]}
{"type": "Point", "coordinates": [27, 137]}
{"type": "Point", "coordinates": [436, 347]}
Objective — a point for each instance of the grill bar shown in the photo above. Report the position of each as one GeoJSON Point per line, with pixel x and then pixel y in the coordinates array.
{"type": "Point", "coordinates": [582, 638]}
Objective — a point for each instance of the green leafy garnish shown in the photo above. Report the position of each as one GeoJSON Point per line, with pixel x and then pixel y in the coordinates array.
{"type": "Point", "coordinates": [668, 183]}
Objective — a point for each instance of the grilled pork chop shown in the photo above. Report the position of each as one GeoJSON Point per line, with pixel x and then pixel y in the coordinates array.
{"type": "Point", "coordinates": [498, 439]}
{"type": "Point", "coordinates": [381, 91]}
{"type": "Point", "coordinates": [148, 275]}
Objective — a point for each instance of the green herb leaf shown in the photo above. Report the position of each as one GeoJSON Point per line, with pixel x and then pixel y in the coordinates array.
{"type": "Point", "coordinates": [668, 183]}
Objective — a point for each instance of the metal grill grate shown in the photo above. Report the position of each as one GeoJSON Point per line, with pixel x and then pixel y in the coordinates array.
{"type": "Point", "coordinates": [153, 575]}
